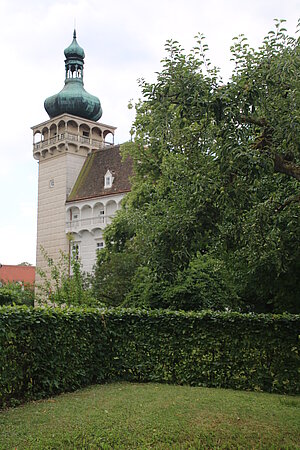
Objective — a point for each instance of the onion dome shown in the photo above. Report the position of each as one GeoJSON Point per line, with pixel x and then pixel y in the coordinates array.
{"type": "Point", "coordinates": [73, 98]}
{"type": "Point", "coordinates": [74, 50]}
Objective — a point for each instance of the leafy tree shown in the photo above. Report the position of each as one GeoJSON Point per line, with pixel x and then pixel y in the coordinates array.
{"type": "Point", "coordinates": [172, 203]}
{"type": "Point", "coordinates": [203, 284]}
{"type": "Point", "coordinates": [259, 156]}
{"type": "Point", "coordinates": [217, 170]}
{"type": "Point", "coordinates": [113, 276]}
{"type": "Point", "coordinates": [116, 263]}
{"type": "Point", "coordinates": [60, 287]}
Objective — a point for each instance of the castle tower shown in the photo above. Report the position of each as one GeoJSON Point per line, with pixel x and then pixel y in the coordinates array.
{"type": "Point", "coordinates": [61, 145]}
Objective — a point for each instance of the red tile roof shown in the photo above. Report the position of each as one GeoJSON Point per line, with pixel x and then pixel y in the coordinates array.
{"type": "Point", "coordinates": [26, 274]}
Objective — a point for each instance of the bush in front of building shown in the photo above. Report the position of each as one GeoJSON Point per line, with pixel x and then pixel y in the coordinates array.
{"type": "Point", "coordinates": [63, 282]}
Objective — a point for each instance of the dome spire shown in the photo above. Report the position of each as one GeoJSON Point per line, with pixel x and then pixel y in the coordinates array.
{"type": "Point", "coordinates": [73, 99]}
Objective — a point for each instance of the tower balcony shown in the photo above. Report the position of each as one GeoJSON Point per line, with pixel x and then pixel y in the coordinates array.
{"type": "Point", "coordinates": [69, 138]}
{"type": "Point", "coordinates": [88, 223]}
{"type": "Point", "coordinates": [70, 133]}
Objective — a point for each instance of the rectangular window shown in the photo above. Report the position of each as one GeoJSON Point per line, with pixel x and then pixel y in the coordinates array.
{"type": "Point", "coordinates": [100, 245]}
{"type": "Point", "coordinates": [75, 250]}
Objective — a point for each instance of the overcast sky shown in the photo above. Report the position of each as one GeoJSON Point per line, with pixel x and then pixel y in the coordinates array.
{"type": "Point", "coordinates": [123, 41]}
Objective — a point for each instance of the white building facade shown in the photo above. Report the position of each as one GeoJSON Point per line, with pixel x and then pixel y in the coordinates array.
{"type": "Point", "coordinates": [90, 210]}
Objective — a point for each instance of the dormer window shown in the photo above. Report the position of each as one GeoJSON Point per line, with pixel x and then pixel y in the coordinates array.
{"type": "Point", "coordinates": [108, 180]}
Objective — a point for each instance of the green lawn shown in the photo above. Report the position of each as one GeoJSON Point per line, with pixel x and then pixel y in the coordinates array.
{"type": "Point", "coordinates": [142, 416]}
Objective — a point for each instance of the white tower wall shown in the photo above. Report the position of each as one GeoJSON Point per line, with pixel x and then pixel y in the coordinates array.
{"type": "Point", "coordinates": [61, 150]}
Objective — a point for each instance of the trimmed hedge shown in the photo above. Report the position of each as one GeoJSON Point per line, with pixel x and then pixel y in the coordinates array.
{"type": "Point", "coordinates": [46, 351]}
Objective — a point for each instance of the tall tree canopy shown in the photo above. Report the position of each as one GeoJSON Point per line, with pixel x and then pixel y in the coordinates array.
{"type": "Point", "coordinates": [213, 216]}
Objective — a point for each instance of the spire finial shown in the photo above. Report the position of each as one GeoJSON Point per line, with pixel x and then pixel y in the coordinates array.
{"type": "Point", "coordinates": [74, 34]}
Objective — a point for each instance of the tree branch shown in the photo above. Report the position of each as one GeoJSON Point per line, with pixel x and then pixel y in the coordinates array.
{"type": "Point", "coordinates": [288, 201]}
{"type": "Point", "coordinates": [289, 168]}
{"type": "Point", "coordinates": [281, 164]}
{"type": "Point", "coordinates": [261, 122]}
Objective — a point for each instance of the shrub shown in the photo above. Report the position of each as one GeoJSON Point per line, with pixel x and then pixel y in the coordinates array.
{"type": "Point", "coordinates": [45, 351]}
{"type": "Point", "coordinates": [59, 287]}
{"type": "Point", "coordinates": [15, 293]}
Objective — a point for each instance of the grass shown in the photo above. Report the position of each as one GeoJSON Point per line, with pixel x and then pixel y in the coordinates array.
{"type": "Point", "coordinates": [145, 416]}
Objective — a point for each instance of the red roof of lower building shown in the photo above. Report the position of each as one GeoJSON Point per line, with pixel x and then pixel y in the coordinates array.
{"type": "Point", "coordinates": [25, 274]}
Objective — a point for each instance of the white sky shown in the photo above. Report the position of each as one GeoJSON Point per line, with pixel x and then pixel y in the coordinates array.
{"type": "Point", "coordinates": [123, 41]}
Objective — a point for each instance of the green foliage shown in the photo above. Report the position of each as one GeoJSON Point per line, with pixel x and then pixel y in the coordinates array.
{"type": "Point", "coordinates": [64, 283]}
{"type": "Point", "coordinates": [203, 284]}
{"type": "Point", "coordinates": [44, 351]}
{"type": "Point", "coordinates": [15, 293]}
{"type": "Point", "coordinates": [113, 274]}
{"type": "Point", "coordinates": [260, 166]}
{"type": "Point", "coordinates": [217, 171]}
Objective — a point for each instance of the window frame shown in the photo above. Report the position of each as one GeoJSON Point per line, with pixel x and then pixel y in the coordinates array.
{"type": "Point", "coordinates": [108, 180]}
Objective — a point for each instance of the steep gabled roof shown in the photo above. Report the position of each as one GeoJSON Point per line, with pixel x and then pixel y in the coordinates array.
{"type": "Point", "coordinates": [90, 182]}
